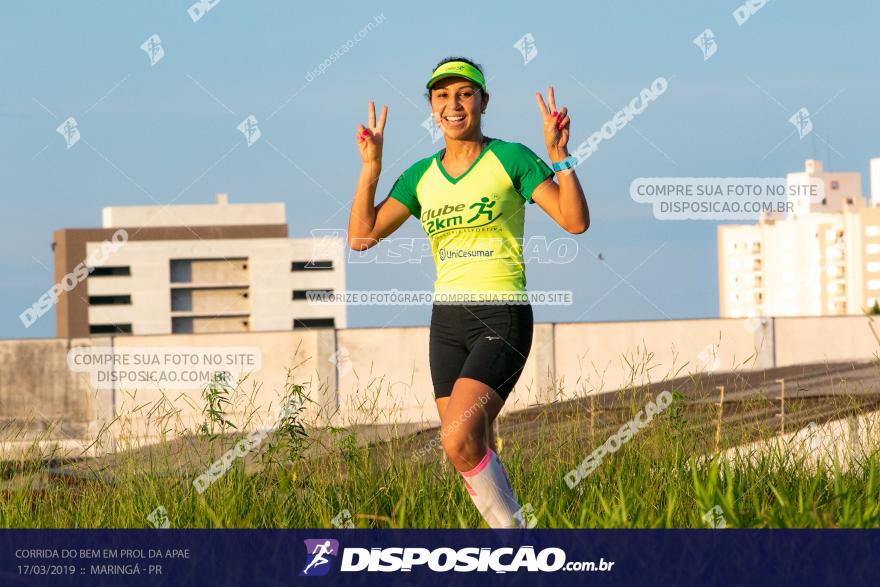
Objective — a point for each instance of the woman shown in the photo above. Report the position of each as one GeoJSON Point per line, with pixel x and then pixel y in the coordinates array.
{"type": "Point", "coordinates": [470, 198]}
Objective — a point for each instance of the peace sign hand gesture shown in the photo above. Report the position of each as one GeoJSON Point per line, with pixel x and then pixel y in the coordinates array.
{"type": "Point", "coordinates": [370, 138]}
{"type": "Point", "coordinates": [556, 124]}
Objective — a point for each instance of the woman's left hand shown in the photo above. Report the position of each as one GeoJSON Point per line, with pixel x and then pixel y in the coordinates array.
{"type": "Point", "coordinates": [556, 124]}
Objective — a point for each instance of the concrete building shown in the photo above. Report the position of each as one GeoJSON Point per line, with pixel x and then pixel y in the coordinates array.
{"type": "Point", "coordinates": [823, 258]}
{"type": "Point", "coordinates": [195, 268]}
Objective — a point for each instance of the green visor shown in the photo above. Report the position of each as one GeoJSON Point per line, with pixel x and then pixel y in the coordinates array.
{"type": "Point", "coordinates": [458, 69]}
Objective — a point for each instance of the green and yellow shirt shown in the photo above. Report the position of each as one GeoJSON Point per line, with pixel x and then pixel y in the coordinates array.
{"type": "Point", "coordinates": [475, 222]}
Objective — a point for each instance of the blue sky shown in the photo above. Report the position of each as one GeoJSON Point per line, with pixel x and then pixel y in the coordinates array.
{"type": "Point", "coordinates": [166, 131]}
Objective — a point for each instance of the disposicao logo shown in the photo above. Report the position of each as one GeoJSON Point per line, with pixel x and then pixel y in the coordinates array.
{"type": "Point", "coordinates": [318, 553]}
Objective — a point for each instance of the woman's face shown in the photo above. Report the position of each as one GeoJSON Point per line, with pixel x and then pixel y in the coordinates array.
{"type": "Point", "coordinates": [457, 104]}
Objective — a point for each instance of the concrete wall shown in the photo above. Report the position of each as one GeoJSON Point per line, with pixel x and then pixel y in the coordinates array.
{"type": "Point", "coordinates": [802, 340]}
{"type": "Point", "coordinates": [148, 412]}
{"type": "Point", "coordinates": [382, 376]}
{"type": "Point", "coordinates": [43, 403]}
{"type": "Point", "coordinates": [596, 358]}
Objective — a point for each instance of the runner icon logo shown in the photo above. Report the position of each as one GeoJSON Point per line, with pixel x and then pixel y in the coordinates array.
{"type": "Point", "coordinates": [483, 207]}
{"type": "Point", "coordinates": [443, 217]}
{"type": "Point", "coordinates": [318, 556]}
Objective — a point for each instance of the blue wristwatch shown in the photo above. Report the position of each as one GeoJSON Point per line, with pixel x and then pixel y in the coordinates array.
{"type": "Point", "coordinates": [566, 163]}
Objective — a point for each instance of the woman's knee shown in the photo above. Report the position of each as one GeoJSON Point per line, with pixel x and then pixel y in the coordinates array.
{"type": "Point", "coordinates": [463, 448]}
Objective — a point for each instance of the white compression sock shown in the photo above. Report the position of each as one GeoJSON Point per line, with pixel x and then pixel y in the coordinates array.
{"type": "Point", "coordinates": [481, 505]}
{"type": "Point", "coordinates": [491, 492]}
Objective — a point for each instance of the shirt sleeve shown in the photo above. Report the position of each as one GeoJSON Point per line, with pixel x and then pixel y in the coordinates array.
{"type": "Point", "coordinates": [404, 189]}
{"type": "Point", "coordinates": [526, 170]}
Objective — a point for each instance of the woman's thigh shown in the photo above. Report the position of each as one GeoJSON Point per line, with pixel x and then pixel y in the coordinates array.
{"type": "Point", "coordinates": [470, 410]}
{"type": "Point", "coordinates": [499, 338]}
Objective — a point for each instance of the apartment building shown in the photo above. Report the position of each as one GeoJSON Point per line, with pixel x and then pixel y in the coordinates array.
{"type": "Point", "coordinates": [823, 258]}
{"type": "Point", "coordinates": [217, 267]}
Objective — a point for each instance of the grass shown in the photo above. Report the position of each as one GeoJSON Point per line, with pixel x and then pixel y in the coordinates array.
{"type": "Point", "coordinates": [304, 476]}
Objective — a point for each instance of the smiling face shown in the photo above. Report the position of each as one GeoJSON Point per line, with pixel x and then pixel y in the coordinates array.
{"type": "Point", "coordinates": [457, 104]}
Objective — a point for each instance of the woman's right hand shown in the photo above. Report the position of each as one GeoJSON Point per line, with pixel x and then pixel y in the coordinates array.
{"type": "Point", "coordinates": [370, 138]}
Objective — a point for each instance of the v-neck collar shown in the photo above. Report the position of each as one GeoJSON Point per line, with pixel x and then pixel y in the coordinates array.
{"type": "Point", "coordinates": [439, 156]}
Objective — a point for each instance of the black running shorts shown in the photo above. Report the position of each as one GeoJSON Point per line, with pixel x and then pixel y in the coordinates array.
{"type": "Point", "coordinates": [489, 343]}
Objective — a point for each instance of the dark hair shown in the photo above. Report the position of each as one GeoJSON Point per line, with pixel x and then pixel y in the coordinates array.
{"type": "Point", "coordinates": [466, 60]}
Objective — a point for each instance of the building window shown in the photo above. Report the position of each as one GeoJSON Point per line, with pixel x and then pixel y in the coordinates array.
{"type": "Point", "coordinates": [110, 271]}
{"type": "Point", "coordinates": [824, 201]}
{"type": "Point", "coordinates": [302, 294]}
{"type": "Point", "coordinates": [314, 323]}
{"type": "Point", "coordinates": [209, 270]}
{"type": "Point", "coordinates": [109, 300]}
{"type": "Point", "coordinates": [835, 185]}
{"type": "Point", "coordinates": [109, 328]}
{"type": "Point", "coordinates": [872, 230]}
{"type": "Point", "coordinates": [311, 265]}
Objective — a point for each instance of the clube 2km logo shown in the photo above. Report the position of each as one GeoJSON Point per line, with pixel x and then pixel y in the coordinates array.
{"type": "Point", "coordinates": [449, 216]}
{"type": "Point", "coordinates": [322, 553]}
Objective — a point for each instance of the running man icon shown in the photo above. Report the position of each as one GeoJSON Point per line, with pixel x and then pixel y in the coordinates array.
{"type": "Point", "coordinates": [318, 551]}
{"type": "Point", "coordinates": [482, 208]}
